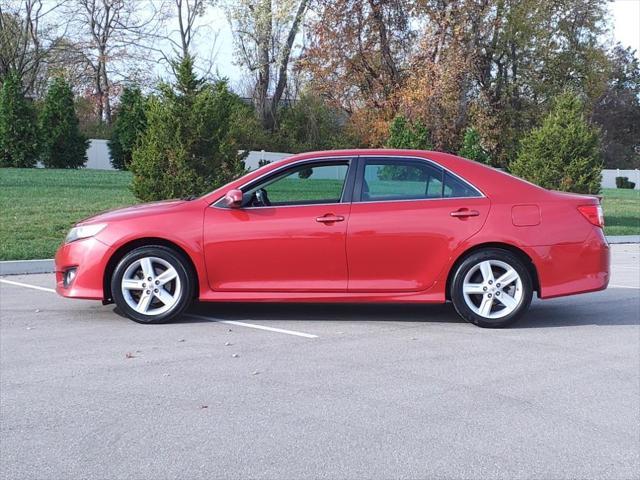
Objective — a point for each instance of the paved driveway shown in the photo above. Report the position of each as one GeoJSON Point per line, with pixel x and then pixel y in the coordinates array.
{"type": "Point", "coordinates": [290, 391]}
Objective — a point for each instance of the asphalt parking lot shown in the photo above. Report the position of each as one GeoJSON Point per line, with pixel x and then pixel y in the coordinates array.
{"type": "Point", "coordinates": [317, 391]}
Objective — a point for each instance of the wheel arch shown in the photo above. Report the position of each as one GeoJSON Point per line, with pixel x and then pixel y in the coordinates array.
{"type": "Point", "coordinates": [521, 254]}
{"type": "Point", "coordinates": [122, 250]}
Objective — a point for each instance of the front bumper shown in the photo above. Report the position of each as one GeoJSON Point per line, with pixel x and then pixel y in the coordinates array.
{"type": "Point", "coordinates": [90, 258]}
{"type": "Point", "coordinates": [569, 269]}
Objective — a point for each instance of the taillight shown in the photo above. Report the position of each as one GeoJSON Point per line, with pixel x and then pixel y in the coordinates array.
{"type": "Point", "coordinates": [593, 213]}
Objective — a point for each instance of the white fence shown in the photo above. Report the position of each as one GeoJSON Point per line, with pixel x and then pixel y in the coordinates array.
{"type": "Point", "coordinates": [609, 177]}
{"type": "Point", "coordinates": [98, 159]}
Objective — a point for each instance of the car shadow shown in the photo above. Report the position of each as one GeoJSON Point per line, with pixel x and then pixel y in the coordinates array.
{"type": "Point", "coordinates": [318, 312]}
{"type": "Point", "coordinates": [562, 312]}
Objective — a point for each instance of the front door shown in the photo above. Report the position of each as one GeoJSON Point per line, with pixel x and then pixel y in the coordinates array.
{"type": "Point", "coordinates": [407, 217]}
{"type": "Point", "coordinates": [289, 235]}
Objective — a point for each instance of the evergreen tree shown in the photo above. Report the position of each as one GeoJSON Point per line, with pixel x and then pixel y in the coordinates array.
{"type": "Point", "coordinates": [472, 147]}
{"type": "Point", "coordinates": [188, 147]}
{"type": "Point", "coordinates": [129, 125]}
{"type": "Point", "coordinates": [563, 153]}
{"type": "Point", "coordinates": [18, 128]}
{"type": "Point", "coordinates": [407, 134]}
{"type": "Point", "coordinates": [63, 146]}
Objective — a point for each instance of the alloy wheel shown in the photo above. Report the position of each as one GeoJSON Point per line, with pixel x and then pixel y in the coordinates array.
{"type": "Point", "coordinates": [492, 289]}
{"type": "Point", "coordinates": [151, 286]}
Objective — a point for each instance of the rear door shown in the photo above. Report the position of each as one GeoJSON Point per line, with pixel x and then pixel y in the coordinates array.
{"type": "Point", "coordinates": [408, 215]}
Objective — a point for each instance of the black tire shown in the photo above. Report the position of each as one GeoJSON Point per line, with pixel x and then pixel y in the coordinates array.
{"type": "Point", "coordinates": [471, 262]}
{"type": "Point", "coordinates": [184, 274]}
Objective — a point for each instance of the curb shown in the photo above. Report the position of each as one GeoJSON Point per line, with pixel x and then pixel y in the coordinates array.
{"type": "Point", "coordinates": [20, 267]}
{"type": "Point", "coordinates": [623, 239]}
{"type": "Point", "coordinates": [23, 267]}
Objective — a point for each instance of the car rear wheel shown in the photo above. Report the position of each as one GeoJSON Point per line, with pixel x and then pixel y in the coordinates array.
{"type": "Point", "coordinates": [491, 288]}
{"type": "Point", "coordinates": [152, 284]}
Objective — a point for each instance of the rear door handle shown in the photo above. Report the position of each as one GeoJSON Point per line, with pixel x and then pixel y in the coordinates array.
{"type": "Point", "coordinates": [330, 218]}
{"type": "Point", "coordinates": [463, 212]}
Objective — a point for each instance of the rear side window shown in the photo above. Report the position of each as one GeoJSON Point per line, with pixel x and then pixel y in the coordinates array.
{"type": "Point", "coordinates": [456, 188]}
{"type": "Point", "coordinates": [395, 179]}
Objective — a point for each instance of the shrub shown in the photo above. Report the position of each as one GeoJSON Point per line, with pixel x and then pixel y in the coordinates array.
{"type": "Point", "coordinates": [406, 134]}
{"type": "Point", "coordinates": [623, 182]}
{"type": "Point", "coordinates": [63, 146]}
{"type": "Point", "coordinates": [188, 147]}
{"type": "Point", "coordinates": [129, 125]}
{"type": "Point", "coordinates": [310, 124]}
{"type": "Point", "coordinates": [18, 126]}
{"type": "Point", "coordinates": [563, 153]}
{"type": "Point", "coordinates": [472, 147]}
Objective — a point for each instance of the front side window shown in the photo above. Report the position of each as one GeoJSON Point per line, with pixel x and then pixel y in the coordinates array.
{"type": "Point", "coordinates": [393, 179]}
{"type": "Point", "coordinates": [306, 184]}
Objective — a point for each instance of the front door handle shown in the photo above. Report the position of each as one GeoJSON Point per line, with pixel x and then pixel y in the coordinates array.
{"type": "Point", "coordinates": [330, 218]}
{"type": "Point", "coordinates": [464, 212]}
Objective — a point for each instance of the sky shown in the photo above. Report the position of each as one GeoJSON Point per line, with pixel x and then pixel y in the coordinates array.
{"type": "Point", "coordinates": [625, 22]}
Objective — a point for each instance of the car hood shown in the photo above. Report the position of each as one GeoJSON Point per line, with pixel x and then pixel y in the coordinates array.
{"type": "Point", "coordinates": [140, 210]}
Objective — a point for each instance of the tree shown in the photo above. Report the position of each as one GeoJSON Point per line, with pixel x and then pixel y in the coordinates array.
{"type": "Point", "coordinates": [265, 31]}
{"type": "Point", "coordinates": [18, 127]}
{"type": "Point", "coordinates": [617, 112]}
{"type": "Point", "coordinates": [564, 152]}
{"type": "Point", "coordinates": [406, 134]}
{"type": "Point", "coordinates": [310, 124]}
{"type": "Point", "coordinates": [110, 29]}
{"type": "Point", "coordinates": [472, 147]}
{"type": "Point", "coordinates": [128, 127]}
{"type": "Point", "coordinates": [63, 146]}
{"type": "Point", "coordinates": [25, 41]}
{"type": "Point", "coordinates": [359, 50]}
{"type": "Point", "coordinates": [188, 147]}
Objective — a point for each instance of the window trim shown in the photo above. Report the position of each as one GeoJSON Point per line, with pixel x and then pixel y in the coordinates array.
{"type": "Point", "coordinates": [347, 189]}
{"type": "Point", "coordinates": [362, 161]}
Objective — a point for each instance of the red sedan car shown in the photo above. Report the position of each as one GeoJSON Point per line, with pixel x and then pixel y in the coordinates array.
{"type": "Point", "coordinates": [345, 226]}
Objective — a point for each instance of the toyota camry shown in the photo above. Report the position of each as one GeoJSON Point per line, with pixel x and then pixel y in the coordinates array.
{"type": "Point", "coordinates": [394, 226]}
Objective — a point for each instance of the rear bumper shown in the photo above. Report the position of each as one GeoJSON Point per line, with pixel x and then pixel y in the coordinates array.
{"type": "Point", "coordinates": [570, 269]}
{"type": "Point", "coordinates": [90, 257]}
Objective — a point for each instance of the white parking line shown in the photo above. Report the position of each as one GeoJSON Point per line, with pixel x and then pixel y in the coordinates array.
{"type": "Point", "coordinates": [230, 322]}
{"type": "Point", "coordinates": [624, 286]}
{"type": "Point", "coordinates": [26, 285]}
{"type": "Point", "coordinates": [257, 327]}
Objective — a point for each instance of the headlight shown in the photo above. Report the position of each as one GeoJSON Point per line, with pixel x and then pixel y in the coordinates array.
{"type": "Point", "coordinates": [84, 231]}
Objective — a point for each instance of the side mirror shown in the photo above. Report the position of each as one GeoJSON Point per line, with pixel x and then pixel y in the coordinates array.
{"type": "Point", "coordinates": [233, 198]}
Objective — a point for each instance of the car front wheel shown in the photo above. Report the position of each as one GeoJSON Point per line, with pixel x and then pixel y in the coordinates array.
{"type": "Point", "coordinates": [152, 284]}
{"type": "Point", "coordinates": [491, 288]}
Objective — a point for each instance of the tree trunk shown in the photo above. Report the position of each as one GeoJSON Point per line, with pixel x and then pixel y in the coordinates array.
{"type": "Point", "coordinates": [264, 30]}
{"type": "Point", "coordinates": [106, 100]}
{"type": "Point", "coordinates": [284, 61]}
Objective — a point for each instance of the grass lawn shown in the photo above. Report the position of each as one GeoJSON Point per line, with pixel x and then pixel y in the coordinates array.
{"type": "Point", "coordinates": [621, 211]}
{"type": "Point", "coordinates": [38, 206]}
